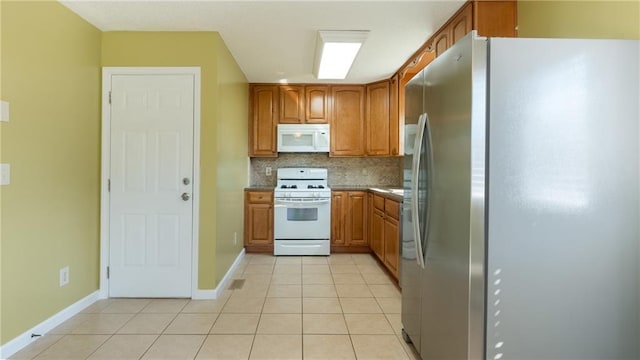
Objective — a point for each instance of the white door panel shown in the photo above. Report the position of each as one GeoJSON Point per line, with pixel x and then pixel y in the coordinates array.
{"type": "Point", "coordinates": [152, 122]}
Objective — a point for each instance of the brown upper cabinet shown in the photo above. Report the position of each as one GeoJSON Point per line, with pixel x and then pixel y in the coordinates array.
{"type": "Point", "coordinates": [441, 42]}
{"type": "Point", "coordinates": [300, 104]}
{"type": "Point", "coordinates": [347, 120]}
{"type": "Point", "coordinates": [378, 116]}
{"type": "Point", "coordinates": [366, 119]}
{"type": "Point", "coordinates": [461, 24]}
{"type": "Point", "coordinates": [495, 18]}
{"type": "Point", "coordinates": [489, 18]}
{"type": "Point", "coordinates": [317, 104]}
{"type": "Point", "coordinates": [263, 118]}
{"type": "Point", "coordinates": [396, 134]}
{"type": "Point", "coordinates": [291, 104]}
{"type": "Point", "coordinates": [372, 132]}
{"type": "Point", "coordinates": [457, 27]}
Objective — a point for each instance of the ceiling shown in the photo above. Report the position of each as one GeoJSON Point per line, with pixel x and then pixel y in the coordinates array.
{"type": "Point", "coordinates": [275, 40]}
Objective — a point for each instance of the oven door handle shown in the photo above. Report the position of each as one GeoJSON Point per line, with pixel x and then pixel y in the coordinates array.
{"type": "Point", "coordinates": [300, 203]}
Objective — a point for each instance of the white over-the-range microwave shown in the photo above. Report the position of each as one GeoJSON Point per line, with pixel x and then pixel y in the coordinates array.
{"type": "Point", "coordinates": [303, 138]}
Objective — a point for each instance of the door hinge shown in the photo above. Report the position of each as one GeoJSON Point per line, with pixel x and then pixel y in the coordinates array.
{"type": "Point", "coordinates": [107, 272]}
{"type": "Point", "coordinates": [109, 97]}
{"type": "Point", "coordinates": [109, 185]}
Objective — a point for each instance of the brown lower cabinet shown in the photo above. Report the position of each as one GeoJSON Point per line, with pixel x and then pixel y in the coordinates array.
{"type": "Point", "coordinates": [258, 221]}
{"type": "Point", "coordinates": [376, 221]}
{"type": "Point", "coordinates": [361, 222]}
{"type": "Point", "coordinates": [391, 235]}
{"type": "Point", "coordinates": [385, 231]}
{"type": "Point", "coordinates": [349, 221]}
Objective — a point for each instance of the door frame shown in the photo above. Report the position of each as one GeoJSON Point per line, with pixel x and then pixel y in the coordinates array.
{"type": "Point", "coordinates": [105, 205]}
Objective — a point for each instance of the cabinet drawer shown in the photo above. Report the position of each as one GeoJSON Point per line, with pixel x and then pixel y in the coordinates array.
{"type": "Point", "coordinates": [392, 208]}
{"type": "Point", "coordinates": [259, 197]}
{"type": "Point", "coordinates": [378, 202]}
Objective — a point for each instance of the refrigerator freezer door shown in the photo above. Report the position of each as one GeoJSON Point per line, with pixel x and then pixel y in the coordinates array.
{"type": "Point", "coordinates": [445, 299]}
{"type": "Point", "coordinates": [410, 269]}
{"type": "Point", "coordinates": [563, 277]}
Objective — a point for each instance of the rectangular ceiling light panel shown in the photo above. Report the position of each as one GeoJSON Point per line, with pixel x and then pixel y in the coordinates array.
{"type": "Point", "coordinates": [336, 51]}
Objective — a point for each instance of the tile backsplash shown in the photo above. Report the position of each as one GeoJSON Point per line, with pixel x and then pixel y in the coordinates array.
{"type": "Point", "coordinates": [364, 171]}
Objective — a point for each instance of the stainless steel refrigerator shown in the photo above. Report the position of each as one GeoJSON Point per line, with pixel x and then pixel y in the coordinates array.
{"type": "Point", "coordinates": [521, 209]}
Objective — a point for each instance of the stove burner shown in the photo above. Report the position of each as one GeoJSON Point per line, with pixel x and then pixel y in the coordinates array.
{"type": "Point", "coordinates": [315, 187]}
{"type": "Point", "coordinates": [289, 186]}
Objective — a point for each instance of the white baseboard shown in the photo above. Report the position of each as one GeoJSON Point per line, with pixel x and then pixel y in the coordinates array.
{"type": "Point", "coordinates": [24, 339]}
{"type": "Point", "coordinates": [215, 293]}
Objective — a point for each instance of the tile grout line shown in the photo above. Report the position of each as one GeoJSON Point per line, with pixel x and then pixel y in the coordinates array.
{"type": "Point", "coordinates": [101, 345]}
{"type": "Point", "coordinates": [301, 311]}
{"type": "Point", "coordinates": [270, 282]}
{"type": "Point", "coordinates": [46, 348]}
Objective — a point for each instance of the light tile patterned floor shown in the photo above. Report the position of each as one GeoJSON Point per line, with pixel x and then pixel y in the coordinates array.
{"type": "Point", "coordinates": [339, 307]}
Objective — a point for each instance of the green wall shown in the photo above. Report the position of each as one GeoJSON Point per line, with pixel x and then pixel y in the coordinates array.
{"type": "Point", "coordinates": [51, 74]}
{"type": "Point", "coordinates": [50, 211]}
{"type": "Point", "coordinates": [223, 123]}
{"type": "Point", "coordinates": [233, 163]}
{"type": "Point", "coordinates": [1, 187]}
{"type": "Point", "coordinates": [579, 19]}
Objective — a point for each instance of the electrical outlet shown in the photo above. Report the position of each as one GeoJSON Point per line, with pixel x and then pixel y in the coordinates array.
{"type": "Point", "coordinates": [64, 276]}
{"type": "Point", "coordinates": [268, 171]}
{"type": "Point", "coordinates": [235, 238]}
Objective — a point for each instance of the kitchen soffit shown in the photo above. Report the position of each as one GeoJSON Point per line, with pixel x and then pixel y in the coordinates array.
{"type": "Point", "coordinates": [274, 40]}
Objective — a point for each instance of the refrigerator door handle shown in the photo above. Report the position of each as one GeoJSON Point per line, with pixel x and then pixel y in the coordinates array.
{"type": "Point", "coordinates": [429, 154]}
{"type": "Point", "coordinates": [415, 214]}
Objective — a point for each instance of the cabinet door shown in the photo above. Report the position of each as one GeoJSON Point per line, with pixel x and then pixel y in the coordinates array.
{"type": "Point", "coordinates": [378, 119]}
{"type": "Point", "coordinates": [391, 244]}
{"type": "Point", "coordinates": [495, 18]}
{"type": "Point", "coordinates": [263, 116]}
{"type": "Point", "coordinates": [356, 224]}
{"type": "Point", "coordinates": [338, 204]}
{"type": "Point", "coordinates": [377, 234]}
{"type": "Point", "coordinates": [441, 41]}
{"type": "Point", "coordinates": [461, 24]}
{"type": "Point", "coordinates": [291, 104]}
{"type": "Point", "coordinates": [395, 107]}
{"type": "Point", "coordinates": [317, 104]}
{"type": "Point", "coordinates": [347, 120]}
{"type": "Point", "coordinates": [260, 224]}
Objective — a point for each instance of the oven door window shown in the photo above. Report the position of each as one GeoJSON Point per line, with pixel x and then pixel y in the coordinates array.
{"type": "Point", "coordinates": [302, 214]}
{"type": "Point", "coordinates": [302, 221]}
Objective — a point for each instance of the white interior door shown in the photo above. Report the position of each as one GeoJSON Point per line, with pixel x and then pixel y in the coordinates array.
{"type": "Point", "coordinates": [151, 180]}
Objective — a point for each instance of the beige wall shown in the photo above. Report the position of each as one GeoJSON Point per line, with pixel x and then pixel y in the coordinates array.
{"type": "Point", "coordinates": [579, 19]}
{"type": "Point", "coordinates": [50, 211]}
{"type": "Point", "coordinates": [223, 124]}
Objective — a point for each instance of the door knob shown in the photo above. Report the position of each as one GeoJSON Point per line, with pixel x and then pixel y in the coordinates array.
{"type": "Point", "coordinates": [186, 196]}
